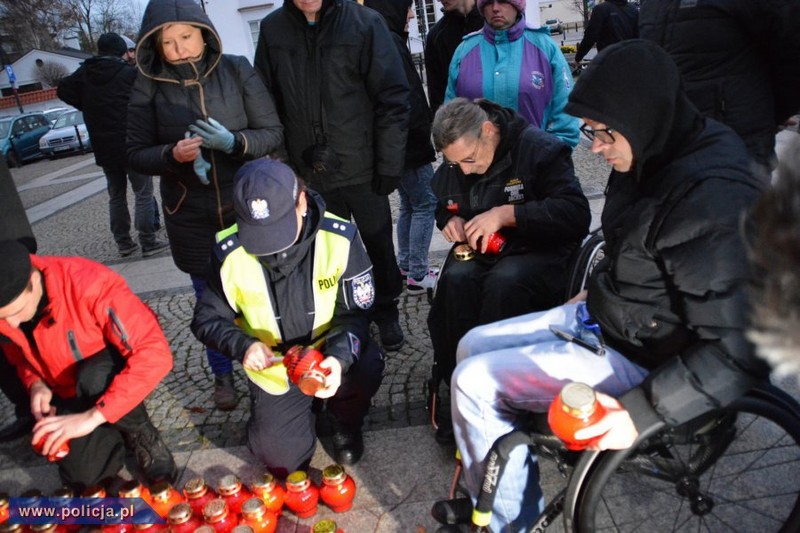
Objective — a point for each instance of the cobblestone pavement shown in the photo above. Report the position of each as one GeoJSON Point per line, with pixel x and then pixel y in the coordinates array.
{"type": "Point", "coordinates": [181, 406]}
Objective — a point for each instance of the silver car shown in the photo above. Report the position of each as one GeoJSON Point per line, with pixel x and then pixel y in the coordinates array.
{"type": "Point", "coordinates": [69, 134]}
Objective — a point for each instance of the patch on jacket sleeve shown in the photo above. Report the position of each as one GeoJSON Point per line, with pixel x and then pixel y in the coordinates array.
{"type": "Point", "coordinates": [363, 290]}
{"type": "Point", "coordinates": [224, 247]}
{"type": "Point", "coordinates": [339, 227]}
{"type": "Point", "coordinates": [355, 345]}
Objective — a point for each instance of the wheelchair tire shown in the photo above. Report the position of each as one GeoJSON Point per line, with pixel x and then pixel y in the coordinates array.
{"type": "Point", "coordinates": [719, 481]}
{"type": "Point", "coordinates": [583, 262]}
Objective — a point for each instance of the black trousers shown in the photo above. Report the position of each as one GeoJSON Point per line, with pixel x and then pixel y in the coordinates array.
{"type": "Point", "coordinates": [488, 289]}
{"type": "Point", "coordinates": [13, 388]}
{"type": "Point", "coordinates": [373, 218]}
{"type": "Point", "coordinates": [280, 432]}
{"type": "Point", "coordinates": [98, 456]}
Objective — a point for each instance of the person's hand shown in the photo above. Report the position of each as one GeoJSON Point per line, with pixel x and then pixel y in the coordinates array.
{"type": "Point", "coordinates": [481, 226]}
{"type": "Point", "coordinates": [385, 185]}
{"type": "Point", "coordinates": [201, 168]}
{"type": "Point", "coordinates": [453, 231]}
{"type": "Point", "coordinates": [59, 429]}
{"type": "Point", "coordinates": [41, 396]}
{"type": "Point", "coordinates": [258, 356]}
{"type": "Point", "coordinates": [187, 149]}
{"type": "Point", "coordinates": [616, 427]}
{"type": "Point", "coordinates": [215, 136]}
{"type": "Point", "coordinates": [333, 379]}
{"type": "Point", "coordinates": [580, 297]}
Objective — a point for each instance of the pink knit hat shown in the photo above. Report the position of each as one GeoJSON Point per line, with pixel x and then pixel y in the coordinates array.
{"type": "Point", "coordinates": [518, 4]}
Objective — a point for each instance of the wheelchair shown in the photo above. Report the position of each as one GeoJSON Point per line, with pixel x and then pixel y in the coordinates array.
{"type": "Point", "coordinates": [733, 469]}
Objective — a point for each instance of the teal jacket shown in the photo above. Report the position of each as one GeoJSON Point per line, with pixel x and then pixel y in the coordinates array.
{"type": "Point", "coordinates": [520, 68]}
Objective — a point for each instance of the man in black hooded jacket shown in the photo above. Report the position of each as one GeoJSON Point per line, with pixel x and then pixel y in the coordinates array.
{"type": "Point", "coordinates": [669, 296]}
{"type": "Point", "coordinates": [610, 22]}
{"type": "Point", "coordinates": [101, 88]}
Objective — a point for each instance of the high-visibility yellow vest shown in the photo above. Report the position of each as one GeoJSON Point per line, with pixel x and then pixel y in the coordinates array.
{"type": "Point", "coordinates": [246, 290]}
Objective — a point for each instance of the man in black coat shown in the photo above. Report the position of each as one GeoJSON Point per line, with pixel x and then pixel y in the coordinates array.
{"type": "Point", "coordinates": [101, 88]}
{"type": "Point", "coordinates": [14, 224]}
{"type": "Point", "coordinates": [460, 18]}
{"type": "Point", "coordinates": [746, 76]}
{"type": "Point", "coordinates": [342, 97]}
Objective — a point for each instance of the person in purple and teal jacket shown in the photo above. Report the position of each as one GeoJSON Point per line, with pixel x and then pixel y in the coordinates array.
{"type": "Point", "coordinates": [517, 67]}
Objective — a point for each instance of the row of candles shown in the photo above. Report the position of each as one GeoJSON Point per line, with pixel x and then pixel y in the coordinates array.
{"type": "Point", "coordinates": [201, 509]}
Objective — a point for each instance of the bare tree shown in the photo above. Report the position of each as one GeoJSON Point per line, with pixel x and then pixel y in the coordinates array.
{"type": "Point", "coordinates": [31, 23]}
{"type": "Point", "coordinates": [78, 15]}
{"type": "Point", "coordinates": [51, 73]}
{"type": "Point", "coordinates": [583, 7]}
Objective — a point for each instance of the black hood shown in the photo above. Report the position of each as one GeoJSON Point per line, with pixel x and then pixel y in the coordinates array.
{"type": "Point", "coordinates": [509, 122]}
{"type": "Point", "coordinates": [101, 70]}
{"type": "Point", "coordinates": [159, 13]}
{"type": "Point", "coordinates": [393, 11]}
{"type": "Point", "coordinates": [634, 87]}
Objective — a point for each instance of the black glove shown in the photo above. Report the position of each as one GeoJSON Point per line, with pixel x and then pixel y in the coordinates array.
{"type": "Point", "coordinates": [384, 185]}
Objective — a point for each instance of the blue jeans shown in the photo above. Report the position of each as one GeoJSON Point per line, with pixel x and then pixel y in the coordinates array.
{"type": "Point", "coordinates": [415, 220]}
{"type": "Point", "coordinates": [220, 365]}
{"type": "Point", "coordinates": [507, 369]}
{"type": "Point", "coordinates": [117, 184]}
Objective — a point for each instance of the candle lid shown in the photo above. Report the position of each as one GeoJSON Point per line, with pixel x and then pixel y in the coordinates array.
{"type": "Point", "coordinates": [42, 527]}
{"type": "Point", "coordinates": [195, 487]}
{"type": "Point", "coordinates": [578, 399]}
{"type": "Point", "coordinates": [5, 526]}
{"type": "Point", "coordinates": [64, 492]}
{"type": "Point", "coordinates": [205, 528]}
{"type": "Point", "coordinates": [142, 526]}
{"type": "Point", "coordinates": [3, 499]}
{"type": "Point", "coordinates": [333, 474]}
{"type": "Point", "coordinates": [215, 510]}
{"type": "Point", "coordinates": [95, 491]}
{"type": "Point", "coordinates": [325, 526]}
{"type": "Point", "coordinates": [242, 528]}
{"type": "Point", "coordinates": [297, 480]}
{"type": "Point", "coordinates": [228, 485]}
{"type": "Point", "coordinates": [161, 490]}
{"type": "Point", "coordinates": [180, 513]}
{"type": "Point", "coordinates": [265, 482]}
{"type": "Point", "coordinates": [253, 506]}
{"type": "Point", "coordinates": [130, 489]}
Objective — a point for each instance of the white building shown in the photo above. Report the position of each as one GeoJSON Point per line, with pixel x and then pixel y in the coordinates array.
{"type": "Point", "coordinates": [28, 68]}
{"type": "Point", "coordinates": [237, 21]}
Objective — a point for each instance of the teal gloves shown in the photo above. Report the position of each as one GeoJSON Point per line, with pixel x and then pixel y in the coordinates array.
{"type": "Point", "coordinates": [201, 168]}
{"type": "Point", "coordinates": [215, 135]}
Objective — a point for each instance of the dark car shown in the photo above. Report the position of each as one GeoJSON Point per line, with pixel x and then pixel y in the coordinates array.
{"type": "Point", "coordinates": [19, 137]}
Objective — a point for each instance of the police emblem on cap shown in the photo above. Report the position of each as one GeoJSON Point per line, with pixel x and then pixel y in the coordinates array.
{"type": "Point", "coordinates": [363, 291]}
{"type": "Point", "coordinates": [259, 209]}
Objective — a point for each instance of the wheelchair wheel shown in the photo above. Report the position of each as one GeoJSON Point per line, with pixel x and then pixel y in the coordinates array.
{"type": "Point", "coordinates": [740, 472]}
{"type": "Point", "coordinates": [583, 262]}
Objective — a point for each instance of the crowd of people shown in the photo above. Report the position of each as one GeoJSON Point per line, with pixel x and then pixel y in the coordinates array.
{"type": "Point", "coordinates": [274, 184]}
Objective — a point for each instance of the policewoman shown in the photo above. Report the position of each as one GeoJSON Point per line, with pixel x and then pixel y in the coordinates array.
{"type": "Point", "coordinates": [286, 274]}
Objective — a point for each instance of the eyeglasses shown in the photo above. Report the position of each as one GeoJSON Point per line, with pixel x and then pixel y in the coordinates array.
{"type": "Point", "coordinates": [471, 160]}
{"type": "Point", "coordinates": [603, 135]}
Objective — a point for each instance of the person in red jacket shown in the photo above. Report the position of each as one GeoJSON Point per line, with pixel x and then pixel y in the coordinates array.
{"type": "Point", "coordinates": [88, 351]}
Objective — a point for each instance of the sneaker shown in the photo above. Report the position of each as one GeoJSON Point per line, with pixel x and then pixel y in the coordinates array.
{"type": "Point", "coordinates": [155, 248]}
{"type": "Point", "coordinates": [416, 287]}
{"type": "Point", "coordinates": [151, 454]}
{"type": "Point", "coordinates": [455, 511]}
{"type": "Point", "coordinates": [392, 336]}
{"type": "Point", "coordinates": [127, 249]}
{"type": "Point", "coordinates": [225, 393]}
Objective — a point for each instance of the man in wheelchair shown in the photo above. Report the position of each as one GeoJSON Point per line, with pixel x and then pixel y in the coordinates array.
{"type": "Point", "coordinates": [669, 295]}
{"type": "Point", "coordinates": [510, 202]}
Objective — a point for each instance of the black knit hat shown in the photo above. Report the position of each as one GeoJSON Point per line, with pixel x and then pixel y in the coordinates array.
{"type": "Point", "coordinates": [111, 44]}
{"type": "Point", "coordinates": [15, 270]}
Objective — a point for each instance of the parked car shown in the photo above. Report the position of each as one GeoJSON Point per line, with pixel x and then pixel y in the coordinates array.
{"type": "Point", "coordinates": [69, 134]}
{"type": "Point", "coordinates": [19, 137]}
{"type": "Point", "coordinates": [54, 113]}
{"type": "Point", "coordinates": [554, 25]}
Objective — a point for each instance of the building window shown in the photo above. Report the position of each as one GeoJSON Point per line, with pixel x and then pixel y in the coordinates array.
{"type": "Point", "coordinates": [254, 29]}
